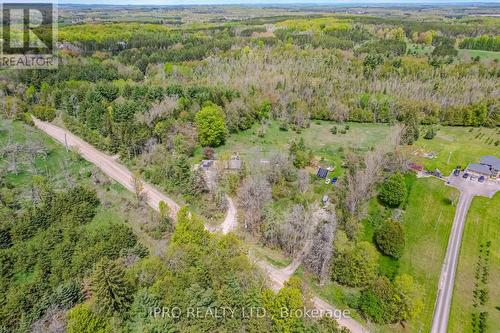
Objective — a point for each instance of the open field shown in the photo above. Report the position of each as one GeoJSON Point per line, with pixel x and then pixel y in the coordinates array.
{"type": "Point", "coordinates": [481, 227]}
{"type": "Point", "coordinates": [483, 55]}
{"type": "Point", "coordinates": [318, 137]}
{"type": "Point", "coordinates": [458, 146]}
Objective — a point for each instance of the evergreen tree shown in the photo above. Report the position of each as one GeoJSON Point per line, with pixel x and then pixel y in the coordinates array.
{"type": "Point", "coordinates": [110, 287]}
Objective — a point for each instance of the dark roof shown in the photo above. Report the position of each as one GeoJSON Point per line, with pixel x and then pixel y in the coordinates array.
{"type": "Point", "coordinates": [479, 168]}
{"type": "Point", "coordinates": [322, 173]}
{"type": "Point", "coordinates": [492, 161]}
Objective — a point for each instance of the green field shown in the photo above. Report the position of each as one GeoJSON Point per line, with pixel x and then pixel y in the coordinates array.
{"type": "Point", "coordinates": [457, 146]}
{"type": "Point", "coordinates": [483, 55]}
{"type": "Point", "coordinates": [428, 220]}
{"type": "Point", "coordinates": [253, 147]}
{"type": "Point", "coordinates": [482, 225]}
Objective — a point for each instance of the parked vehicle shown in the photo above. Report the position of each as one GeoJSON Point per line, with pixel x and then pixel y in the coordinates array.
{"type": "Point", "coordinates": [466, 175]}
{"type": "Point", "coordinates": [481, 179]}
{"type": "Point", "coordinates": [456, 172]}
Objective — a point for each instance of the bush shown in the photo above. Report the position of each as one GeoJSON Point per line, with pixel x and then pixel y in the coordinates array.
{"type": "Point", "coordinates": [43, 112]}
{"type": "Point", "coordinates": [356, 266]}
{"type": "Point", "coordinates": [393, 191]}
{"type": "Point", "coordinates": [430, 134]}
{"type": "Point", "coordinates": [208, 153]}
{"type": "Point", "coordinates": [390, 238]}
{"type": "Point", "coordinates": [334, 130]}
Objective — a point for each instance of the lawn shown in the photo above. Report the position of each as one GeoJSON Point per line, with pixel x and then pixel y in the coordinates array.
{"type": "Point", "coordinates": [427, 223]}
{"type": "Point", "coordinates": [481, 226]}
{"type": "Point", "coordinates": [457, 146]}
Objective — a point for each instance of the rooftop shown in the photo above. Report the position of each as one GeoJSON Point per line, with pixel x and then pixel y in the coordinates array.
{"type": "Point", "coordinates": [479, 168]}
{"type": "Point", "coordinates": [491, 160]}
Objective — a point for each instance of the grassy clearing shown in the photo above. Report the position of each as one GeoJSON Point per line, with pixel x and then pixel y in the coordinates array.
{"type": "Point", "coordinates": [316, 24]}
{"type": "Point", "coordinates": [481, 226]}
{"type": "Point", "coordinates": [483, 55]}
{"type": "Point", "coordinates": [274, 257]}
{"type": "Point", "coordinates": [458, 146]}
{"type": "Point", "coordinates": [325, 145]}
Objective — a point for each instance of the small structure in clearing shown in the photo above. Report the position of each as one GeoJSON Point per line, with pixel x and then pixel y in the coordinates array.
{"type": "Point", "coordinates": [235, 163]}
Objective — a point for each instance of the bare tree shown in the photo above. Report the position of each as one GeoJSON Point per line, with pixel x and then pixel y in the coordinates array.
{"type": "Point", "coordinates": [359, 182]}
{"type": "Point", "coordinates": [317, 256]}
{"type": "Point", "coordinates": [163, 109]}
{"type": "Point", "coordinates": [294, 230]}
{"type": "Point", "coordinates": [138, 185]}
{"type": "Point", "coordinates": [53, 321]}
{"type": "Point", "coordinates": [303, 181]}
{"type": "Point", "coordinates": [254, 193]}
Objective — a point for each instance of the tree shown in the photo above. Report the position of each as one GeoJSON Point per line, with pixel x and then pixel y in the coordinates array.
{"type": "Point", "coordinates": [393, 191]}
{"type": "Point", "coordinates": [210, 124]}
{"type": "Point", "coordinates": [254, 194]}
{"type": "Point", "coordinates": [317, 258]}
{"type": "Point", "coordinates": [378, 302]}
{"type": "Point", "coordinates": [431, 133]}
{"type": "Point", "coordinates": [283, 306]}
{"type": "Point", "coordinates": [293, 229]}
{"type": "Point", "coordinates": [390, 238]}
{"type": "Point", "coordinates": [355, 266]}
{"type": "Point", "coordinates": [300, 154]}
{"type": "Point", "coordinates": [410, 295]}
{"type": "Point", "coordinates": [81, 319]}
{"type": "Point", "coordinates": [138, 187]}
{"type": "Point", "coordinates": [111, 289]}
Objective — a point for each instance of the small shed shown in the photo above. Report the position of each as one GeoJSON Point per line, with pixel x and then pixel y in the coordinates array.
{"type": "Point", "coordinates": [235, 163]}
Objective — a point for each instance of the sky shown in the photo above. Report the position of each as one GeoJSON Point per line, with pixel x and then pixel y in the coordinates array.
{"type": "Point", "coordinates": [213, 2]}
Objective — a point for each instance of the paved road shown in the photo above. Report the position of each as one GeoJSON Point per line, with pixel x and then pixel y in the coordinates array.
{"type": "Point", "coordinates": [122, 175]}
{"type": "Point", "coordinates": [468, 189]}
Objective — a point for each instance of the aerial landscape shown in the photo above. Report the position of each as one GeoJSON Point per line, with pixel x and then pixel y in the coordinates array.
{"type": "Point", "coordinates": [250, 166]}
